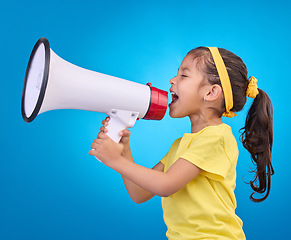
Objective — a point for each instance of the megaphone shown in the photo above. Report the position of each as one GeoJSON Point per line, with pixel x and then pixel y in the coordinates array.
{"type": "Point", "coordinates": [53, 83]}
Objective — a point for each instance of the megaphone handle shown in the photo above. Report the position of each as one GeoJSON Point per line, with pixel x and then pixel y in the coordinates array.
{"type": "Point", "coordinates": [120, 120]}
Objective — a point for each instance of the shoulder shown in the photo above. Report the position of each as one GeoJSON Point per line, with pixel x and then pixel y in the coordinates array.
{"type": "Point", "coordinates": [216, 139]}
{"type": "Point", "coordinates": [214, 150]}
{"type": "Point", "coordinates": [217, 130]}
{"type": "Point", "coordinates": [222, 132]}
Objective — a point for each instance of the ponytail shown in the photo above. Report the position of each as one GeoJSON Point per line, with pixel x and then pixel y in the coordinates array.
{"type": "Point", "coordinates": [257, 138]}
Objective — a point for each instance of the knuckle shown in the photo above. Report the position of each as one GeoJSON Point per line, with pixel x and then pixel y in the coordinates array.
{"type": "Point", "coordinates": [127, 132]}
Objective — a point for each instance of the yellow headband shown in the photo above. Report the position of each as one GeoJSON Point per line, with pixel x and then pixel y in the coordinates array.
{"type": "Point", "coordinates": [225, 82]}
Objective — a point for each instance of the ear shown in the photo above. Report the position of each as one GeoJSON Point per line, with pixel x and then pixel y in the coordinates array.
{"type": "Point", "coordinates": [214, 93]}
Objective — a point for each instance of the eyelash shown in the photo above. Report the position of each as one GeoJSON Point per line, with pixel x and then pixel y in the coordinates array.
{"type": "Point", "coordinates": [182, 75]}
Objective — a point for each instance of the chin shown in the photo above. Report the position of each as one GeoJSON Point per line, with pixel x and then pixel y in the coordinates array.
{"type": "Point", "coordinates": [171, 114]}
{"type": "Point", "coordinates": [175, 115]}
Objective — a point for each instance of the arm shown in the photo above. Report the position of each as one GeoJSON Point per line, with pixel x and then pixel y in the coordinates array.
{"type": "Point", "coordinates": [158, 183]}
{"type": "Point", "coordinates": [136, 193]}
{"type": "Point", "coordinates": [155, 182]}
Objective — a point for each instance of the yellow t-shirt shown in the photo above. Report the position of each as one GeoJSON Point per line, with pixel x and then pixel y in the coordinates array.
{"type": "Point", "coordinates": [205, 207]}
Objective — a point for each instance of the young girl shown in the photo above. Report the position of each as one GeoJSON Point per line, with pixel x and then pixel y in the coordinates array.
{"type": "Point", "coordinates": [196, 178]}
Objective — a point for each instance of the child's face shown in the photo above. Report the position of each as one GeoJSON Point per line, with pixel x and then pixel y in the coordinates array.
{"type": "Point", "coordinates": [187, 90]}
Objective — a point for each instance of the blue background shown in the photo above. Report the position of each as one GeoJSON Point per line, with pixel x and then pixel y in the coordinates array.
{"type": "Point", "coordinates": [50, 188]}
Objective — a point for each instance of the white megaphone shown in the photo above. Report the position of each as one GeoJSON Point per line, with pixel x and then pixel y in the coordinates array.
{"type": "Point", "coordinates": [53, 83]}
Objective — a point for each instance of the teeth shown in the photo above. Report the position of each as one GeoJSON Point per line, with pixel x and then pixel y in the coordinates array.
{"type": "Point", "coordinates": [174, 97]}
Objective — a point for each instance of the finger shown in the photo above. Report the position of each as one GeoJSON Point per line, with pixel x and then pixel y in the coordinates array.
{"type": "Point", "coordinates": [101, 133]}
{"type": "Point", "coordinates": [94, 146]}
{"type": "Point", "coordinates": [102, 136]}
{"type": "Point", "coordinates": [105, 121]}
{"type": "Point", "coordinates": [91, 152]}
{"type": "Point", "coordinates": [97, 140]}
{"type": "Point", "coordinates": [125, 133]}
{"type": "Point", "coordinates": [103, 129]}
{"type": "Point", "coordinates": [98, 136]}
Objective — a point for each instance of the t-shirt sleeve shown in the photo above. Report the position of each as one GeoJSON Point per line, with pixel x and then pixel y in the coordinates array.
{"type": "Point", "coordinates": [207, 152]}
{"type": "Point", "coordinates": [164, 159]}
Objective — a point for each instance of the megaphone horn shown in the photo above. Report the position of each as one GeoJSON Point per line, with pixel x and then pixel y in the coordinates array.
{"type": "Point", "coordinates": [53, 83]}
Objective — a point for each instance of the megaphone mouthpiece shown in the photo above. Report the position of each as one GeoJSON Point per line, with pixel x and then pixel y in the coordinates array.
{"type": "Point", "coordinates": [158, 104]}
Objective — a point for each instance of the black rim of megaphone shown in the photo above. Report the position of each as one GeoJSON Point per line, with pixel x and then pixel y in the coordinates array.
{"type": "Point", "coordinates": [44, 80]}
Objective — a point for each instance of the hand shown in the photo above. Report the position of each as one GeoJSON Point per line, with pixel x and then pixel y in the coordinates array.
{"type": "Point", "coordinates": [105, 149]}
{"type": "Point", "coordinates": [124, 139]}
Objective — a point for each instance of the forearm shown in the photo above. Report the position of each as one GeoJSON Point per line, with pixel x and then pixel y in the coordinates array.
{"type": "Point", "coordinates": [149, 182]}
{"type": "Point", "coordinates": [136, 193]}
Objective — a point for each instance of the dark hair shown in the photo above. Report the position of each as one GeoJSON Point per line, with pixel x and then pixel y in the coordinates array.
{"type": "Point", "coordinates": [257, 134]}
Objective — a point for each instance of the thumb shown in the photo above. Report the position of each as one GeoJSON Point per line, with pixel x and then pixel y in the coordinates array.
{"type": "Point", "coordinates": [125, 134]}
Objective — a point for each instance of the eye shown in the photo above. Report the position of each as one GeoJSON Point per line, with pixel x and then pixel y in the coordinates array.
{"type": "Point", "coordinates": [183, 76]}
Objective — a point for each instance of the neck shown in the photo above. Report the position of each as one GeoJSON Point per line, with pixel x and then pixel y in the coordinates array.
{"type": "Point", "coordinates": [198, 122]}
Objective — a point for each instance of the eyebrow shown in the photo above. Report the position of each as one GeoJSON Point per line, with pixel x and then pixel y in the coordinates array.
{"type": "Point", "coordinates": [184, 69]}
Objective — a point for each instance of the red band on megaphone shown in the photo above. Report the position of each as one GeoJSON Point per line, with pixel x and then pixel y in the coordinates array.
{"type": "Point", "coordinates": [158, 104]}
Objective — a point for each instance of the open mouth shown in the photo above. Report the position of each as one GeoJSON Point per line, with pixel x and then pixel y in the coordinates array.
{"type": "Point", "coordinates": [175, 97]}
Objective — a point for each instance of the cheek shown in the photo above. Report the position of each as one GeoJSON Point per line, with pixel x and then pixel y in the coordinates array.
{"type": "Point", "coordinates": [192, 96]}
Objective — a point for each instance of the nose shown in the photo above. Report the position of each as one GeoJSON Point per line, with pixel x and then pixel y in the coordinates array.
{"type": "Point", "coordinates": [172, 80]}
